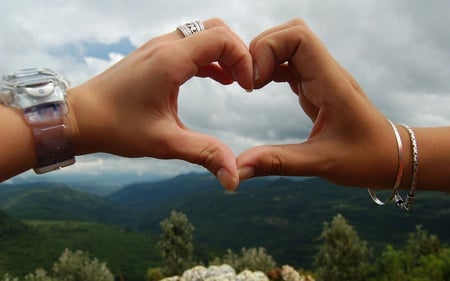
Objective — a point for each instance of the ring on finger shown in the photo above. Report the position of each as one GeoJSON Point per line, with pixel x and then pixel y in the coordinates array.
{"type": "Point", "coordinates": [191, 28]}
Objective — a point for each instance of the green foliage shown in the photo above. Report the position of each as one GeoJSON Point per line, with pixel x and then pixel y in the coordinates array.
{"type": "Point", "coordinates": [343, 256]}
{"type": "Point", "coordinates": [176, 244]}
{"type": "Point", "coordinates": [284, 216]}
{"type": "Point", "coordinates": [433, 267]}
{"type": "Point", "coordinates": [10, 226]}
{"type": "Point", "coordinates": [128, 253]}
{"type": "Point", "coordinates": [420, 243]}
{"type": "Point", "coordinates": [154, 274]}
{"type": "Point", "coordinates": [423, 258]}
{"type": "Point", "coordinates": [254, 259]}
{"type": "Point", "coordinates": [78, 266]}
{"type": "Point", "coordinates": [60, 202]}
{"type": "Point", "coordinates": [71, 266]}
{"type": "Point", "coordinates": [7, 277]}
{"type": "Point", "coordinates": [39, 275]}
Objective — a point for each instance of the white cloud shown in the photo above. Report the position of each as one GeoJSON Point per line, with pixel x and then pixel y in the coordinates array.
{"type": "Point", "coordinates": [397, 50]}
{"type": "Point", "coordinates": [97, 65]}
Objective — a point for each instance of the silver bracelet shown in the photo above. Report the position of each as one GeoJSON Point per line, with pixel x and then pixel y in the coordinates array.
{"type": "Point", "coordinates": [407, 205]}
{"type": "Point", "coordinates": [400, 169]}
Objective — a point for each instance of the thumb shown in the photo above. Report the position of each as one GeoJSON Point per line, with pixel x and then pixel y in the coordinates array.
{"type": "Point", "coordinates": [210, 153]}
{"type": "Point", "coordinates": [286, 160]}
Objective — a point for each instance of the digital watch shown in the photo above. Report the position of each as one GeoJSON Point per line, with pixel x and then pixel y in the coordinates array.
{"type": "Point", "coordinates": [41, 94]}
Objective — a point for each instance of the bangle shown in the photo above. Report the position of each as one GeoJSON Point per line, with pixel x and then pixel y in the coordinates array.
{"type": "Point", "coordinates": [407, 205]}
{"type": "Point", "coordinates": [398, 178]}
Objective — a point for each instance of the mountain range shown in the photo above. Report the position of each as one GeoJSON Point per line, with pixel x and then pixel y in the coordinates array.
{"type": "Point", "coordinates": [284, 215]}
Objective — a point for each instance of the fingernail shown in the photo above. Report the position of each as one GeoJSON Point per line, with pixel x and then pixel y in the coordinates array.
{"type": "Point", "coordinates": [226, 180]}
{"type": "Point", "coordinates": [255, 72]}
{"type": "Point", "coordinates": [246, 173]}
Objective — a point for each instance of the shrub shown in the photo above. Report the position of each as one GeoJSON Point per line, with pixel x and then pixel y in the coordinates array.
{"type": "Point", "coordinates": [71, 266]}
{"type": "Point", "coordinates": [77, 266]}
{"type": "Point", "coordinates": [154, 274]}
{"type": "Point", "coordinates": [255, 259]}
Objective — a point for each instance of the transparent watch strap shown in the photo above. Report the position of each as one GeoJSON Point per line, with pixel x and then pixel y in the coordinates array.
{"type": "Point", "coordinates": [54, 147]}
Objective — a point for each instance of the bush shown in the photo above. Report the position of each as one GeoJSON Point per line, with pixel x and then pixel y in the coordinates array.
{"type": "Point", "coordinates": [77, 266]}
{"type": "Point", "coordinates": [255, 259]}
{"type": "Point", "coordinates": [154, 274]}
{"type": "Point", "coordinates": [71, 266]}
{"type": "Point", "coordinates": [423, 258]}
{"type": "Point", "coordinates": [39, 275]}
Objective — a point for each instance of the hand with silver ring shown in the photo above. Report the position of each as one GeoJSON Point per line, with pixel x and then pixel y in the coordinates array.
{"type": "Point", "coordinates": [345, 123]}
{"type": "Point", "coordinates": [131, 109]}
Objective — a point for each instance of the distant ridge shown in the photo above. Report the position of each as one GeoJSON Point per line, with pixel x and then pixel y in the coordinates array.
{"type": "Point", "coordinates": [284, 215]}
{"type": "Point", "coordinates": [146, 196]}
{"type": "Point", "coordinates": [47, 201]}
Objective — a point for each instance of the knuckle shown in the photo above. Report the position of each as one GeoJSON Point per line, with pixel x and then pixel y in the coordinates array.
{"type": "Point", "coordinates": [209, 157]}
{"type": "Point", "coordinates": [269, 161]}
{"type": "Point", "coordinates": [300, 27]}
{"type": "Point", "coordinates": [297, 22]}
{"type": "Point", "coordinates": [276, 164]}
{"type": "Point", "coordinates": [216, 22]}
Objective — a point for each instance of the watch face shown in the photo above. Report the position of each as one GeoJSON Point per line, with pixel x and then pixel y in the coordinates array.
{"type": "Point", "coordinates": [33, 86]}
{"type": "Point", "coordinates": [40, 90]}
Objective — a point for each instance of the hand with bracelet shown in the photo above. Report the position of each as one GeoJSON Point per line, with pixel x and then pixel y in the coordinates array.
{"type": "Point", "coordinates": [128, 110]}
{"type": "Point", "coordinates": [351, 142]}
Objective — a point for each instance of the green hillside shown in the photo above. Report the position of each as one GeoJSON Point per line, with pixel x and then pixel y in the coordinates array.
{"type": "Point", "coordinates": [147, 196]}
{"type": "Point", "coordinates": [126, 252]}
{"type": "Point", "coordinates": [284, 215]}
{"type": "Point", "coordinates": [59, 202]}
{"type": "Point", "coordinates": [10, 227]}
{"type": "Point", "coordinates": [287, 216]}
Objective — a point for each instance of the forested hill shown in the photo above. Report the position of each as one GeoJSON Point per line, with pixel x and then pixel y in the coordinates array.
{"type": "Point", "coordinates": [147, 196]}
{"type": "Point", "coordinates": [284, 215]}
{"type": "Point", "coordinates": [49, 201]}
{"type": "Point", "coordinates": [9, 226]}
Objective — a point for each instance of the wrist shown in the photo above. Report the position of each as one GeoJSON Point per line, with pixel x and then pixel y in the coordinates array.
{"type": "Point", "coordinates": [81, 144]}
{"type": "Point", "coordinates": [89, 120]}
{"type": "Point", "coordinates": [19, 152]}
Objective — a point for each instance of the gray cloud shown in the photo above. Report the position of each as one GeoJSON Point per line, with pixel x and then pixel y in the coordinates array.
{"type": "Point", "coordinates": [397, 50]}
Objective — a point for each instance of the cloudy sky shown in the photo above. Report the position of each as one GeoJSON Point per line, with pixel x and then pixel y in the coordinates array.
{"type": "Point", "coordinates": [399, 51]}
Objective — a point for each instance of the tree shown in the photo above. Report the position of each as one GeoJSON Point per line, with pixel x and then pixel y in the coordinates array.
{"type": "Point", "coordinates": [343, 256]}
{"type": "Point", "coordinates": [424, 258]}
{"type": "Point", "coordinates": [176, 244]}
{"type": "Point", "coordinates": [420, 243]}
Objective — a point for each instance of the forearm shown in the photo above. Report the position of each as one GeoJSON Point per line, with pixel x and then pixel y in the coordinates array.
{"type": "Point", "coordinates": [17, 153]}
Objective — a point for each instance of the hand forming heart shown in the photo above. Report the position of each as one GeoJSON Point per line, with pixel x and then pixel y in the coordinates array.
{"type": "Point", "coordinates": [131, 109]}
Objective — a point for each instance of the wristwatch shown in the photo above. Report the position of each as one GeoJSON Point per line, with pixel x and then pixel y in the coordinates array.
{"type": "Point", "coordinates": [41, 94]}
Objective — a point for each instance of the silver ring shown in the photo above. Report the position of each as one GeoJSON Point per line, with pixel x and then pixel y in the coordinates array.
{"type": "Point", "coordinates": [191, 28]}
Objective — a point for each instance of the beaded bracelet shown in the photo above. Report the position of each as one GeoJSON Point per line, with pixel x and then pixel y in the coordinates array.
{"type": "Point", "coordinates": [415, 168]}
{"type": "Point", "coordinates": [400, 169]}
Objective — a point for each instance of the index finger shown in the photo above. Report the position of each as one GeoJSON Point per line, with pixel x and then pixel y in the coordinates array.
{"type": "Point", "coordinates": [218, 43]}
{"type": "Point", "coordinates": [291, 42]}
